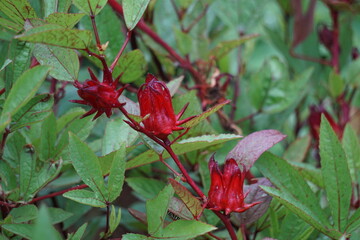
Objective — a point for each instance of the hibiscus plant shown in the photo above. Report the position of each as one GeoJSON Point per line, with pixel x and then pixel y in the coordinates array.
{"type": "Point", "coordinates": [179, 119]}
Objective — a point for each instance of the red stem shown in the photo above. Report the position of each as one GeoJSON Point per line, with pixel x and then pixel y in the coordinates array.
{"type": "Point", "coordinates": [227, 224]}
{"type": "Point", "coordinates": [128, 37]}
{"type": "Point", "coordinates": [335, 48]}
{"type": "Point", "coordinates": [185, 63]}
{"type": "Point", "coordinates": [57, 193]}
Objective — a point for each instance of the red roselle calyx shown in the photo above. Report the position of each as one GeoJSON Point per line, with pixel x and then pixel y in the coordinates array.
{"type": "Point", "coordinates": [226, 189]}
{"type": "Point", "coordinates": [101, 96]}
{"type": "Point", "coordinates": [157, 110]}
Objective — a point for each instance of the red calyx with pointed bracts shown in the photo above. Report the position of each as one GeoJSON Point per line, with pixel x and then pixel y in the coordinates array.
{"type": "Point", "coordinates": [101, 96]}
{"type": "Point", "coordinates": [226, 189]}
{"type": "Point", "coordinates": [157, 110]}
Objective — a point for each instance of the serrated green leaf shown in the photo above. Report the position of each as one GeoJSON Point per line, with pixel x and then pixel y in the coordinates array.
{"type": "Point", "coordinates": [113, 140]}
{"type": "Point", "coordinates": [79, 233]}
{"type": "Point", "coordinates": [294, 228]}
{"type": "Point", "coordinates": [36, 110]}
{"type": "Point", "coordinates": [336, 175]}
{"type": "Point", "coordinates": [351, 145]}
{"type": "Point", "coordinates": [66, 20]}
{"type": "Point", "coordinates": [223, 48]}
{"type": "Point", "coordinates": [18, 10]}
{"type": "Point", "coordinates": [133, 11]}
{"type": "Point", "coordinates": [22, 229]}
{"type": "Point", "coordinates": [85, 197]}
{"type": "Point", "coordinates": [191, 202]}
{"type": "Point", "coordinates": [16, 27]}
{"type": "Point", "coordinates": [304, 203]}
{"type": "Point", "coordinates": [156, 210]}
{"type": "Point", "coordinates": [24, 213]}
{"type": "Point", "coordinates": [65, 62]}
{"type": "Point", "coordinates": [301, 211]}
{"type": "Point", "coordinates": [56, 35]}
{"type": "Point", "coordinates": [181, 147]}
{"type": "Point", "coordinates": [90, 6]}
{"type": "Point", "coordinates": [132, 65]}
{"type": "Point", "coordinates": [115, 219]}
{"type": "Point", "coordinates": [23, 90]}
{"type": "Point", "coordinates": [47, 138]}
{"type": "Point", "coordinates": [20, 54]}
{"type": "Point", "coordinates": [193, 122]}
{"type": "Point", "coordinates": [145, 187]}
{"type": "Point", "coordinates": [87, 165]}
{"type": "Point", "coordinates": [43, 228]}
{"type": "Point", "coordinates": [26, 171]}
{"type": "Point", "coordinates": [309, 172]}
{"type": "Point", "coordinates": [8, 178]}
{"type": "Point", "coordinates": [354, 222]}
{"type": "Point", "coordinates": [117, 174]}
{"type": "Point", "coordinates": [68, 117]}
{"type": "Point", "coordinates": [185, 229]}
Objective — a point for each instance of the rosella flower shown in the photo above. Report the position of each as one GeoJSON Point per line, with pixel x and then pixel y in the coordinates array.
{"type": "Point", "coordinates": [157, 110]}
{"type": "Point", "coordinates": [101, 96]}
{"type": "Point", "coordinates": [226, 189]}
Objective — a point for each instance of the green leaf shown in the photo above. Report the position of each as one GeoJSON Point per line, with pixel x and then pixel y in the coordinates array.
{"type": "Point", "coordinates": [145, 187]}
{"type": "Point", "coordinates": [223, 48]}
{"type": "Point", "coordinates": [298, 149]}
{"type": "Point", "coordinates": [351, 145]}
{"type": "Point", "coordinates": [179, 209]}
{"type": "Point", "coordinates": [301, 211]}
{"type": "Point", "coordinates": [18, 10]}
{"type": "Point", "coordinates": [16, 27]}
{"type": "Point", "coordinates": [133, 11]}
{"type": "Point", "coordinates": [87, 165]}
{"type": "Point", "coordinates": [65, 62]}
{"type": "Point", "coordinates": [114, 219]}
{"type": "Point", "coordinates": [43, 228]}
{"type": "Point", "coordinates": [47, 138]}
{"type": "Point", "coordinates": [8, 178]}
{"type": "Point", "coordinates": [79, 233]}
{"type": "Point", "coordinates": [6, 62]}
{"type": "Point", "coordinates": [56, 35]}
{"type": "Point", "coordinates": [303, 203]}
{"type": "Point", "coordinates": [132, 65]}
{"type": "Point", "coordinates": [23, 230]}
{"type": "Point", "coordinates": [58, 215]}
{"type": "Point", "coordinates": [66, 20]}
{"type": "Point", "coordinates": [294, 228]}
{"type": "Point", "coordinates": [20, 53]}
{"type": "Point", "coordinates": [23, 90]}
{"type": "Point", "coordinates": [26, 171]}
{"type": "Point", "coordinates": [117, 174]}
{"type": "Point", "coordinates": [193, 122]}
{"type": "Point", "coordinates": [181, 147]}
{"type": "Point", "coordinates": [112, 140]}
{"type": "Point", "coordinates": [133, 236]}
{"type": "Point", "coordinates": [24, 213]}
{"type": "Point", "coordinates": [85, 197]}
{"type": "Point", "coordinates": [156, 210]}
{"type": "Point", "coordinates": [335, 173]}
{"type": "Point", "coordinates": [36, 110]}
{"type": "Point", "coordinates": [69, 117]}
{"type": "Point", "coordinates": [90, 7]}
{"type": "Point", "coordinates": [191, 202]}
{"type": "Point", "coordinates": [336, 84]}
{"type": "Point", "coordinates": [354, 222]}
{"type": "Point", "coordinates": [185, 229]}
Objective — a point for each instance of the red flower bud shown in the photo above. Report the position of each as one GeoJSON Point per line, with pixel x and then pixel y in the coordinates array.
{"type": "Point", "coordinates": [101, 96]}
{"type": "Point", "coordinates": [226, 189]}
{"type": "Point", "coordinates": [156, 107]}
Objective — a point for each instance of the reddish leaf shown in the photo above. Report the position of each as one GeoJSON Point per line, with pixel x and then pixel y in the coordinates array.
{"type": "Point", "coordinates": [191, 202]}
{"type": "Point", "coordinates": [256, 194]}
{"type": "Point", "coordinates": [248, 150]}
{"type": "Point", "coordinates": [303, 23]}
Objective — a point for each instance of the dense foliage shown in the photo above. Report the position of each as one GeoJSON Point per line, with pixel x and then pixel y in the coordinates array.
{"type": "Point", "coordinates": [179, 119]}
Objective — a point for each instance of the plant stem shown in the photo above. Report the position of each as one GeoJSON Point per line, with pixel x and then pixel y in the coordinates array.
{"type": "Point", "coordinates": [128, 37]}
{"type": "Point", "coordinates": [227, 224]}
{"type": "Point", "coordinates": [58, 193]}
{"type": "Point", "coordinates": [107, 219]}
